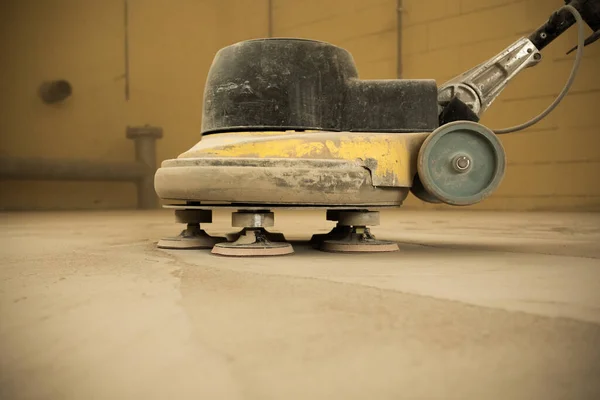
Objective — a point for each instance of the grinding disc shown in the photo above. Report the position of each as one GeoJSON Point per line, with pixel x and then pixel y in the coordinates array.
{"type": "Point", "coordinates": [374, 246]}
{"type": "Point", "coordinates": [358, 243]}
{"type": "Point", "coordinates": [252, 243]}
{"type": "Point", "coordinates": [273, 249]}
{"type": "Point", "coordinates": [186, 241]}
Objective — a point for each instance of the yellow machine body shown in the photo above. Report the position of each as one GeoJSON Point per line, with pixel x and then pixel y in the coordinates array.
{"type": "Point", "coordinates": [306, 168]}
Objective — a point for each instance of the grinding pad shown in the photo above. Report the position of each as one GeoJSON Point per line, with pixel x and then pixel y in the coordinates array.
{"type": "Point", "coordinates": [358, 242]}
{"type": "Point", "coordinates": [252, 243]}
{"type": "Point", "coordinates": [374, 246]}
{"type": "Point", "coordinates": [189, 239]}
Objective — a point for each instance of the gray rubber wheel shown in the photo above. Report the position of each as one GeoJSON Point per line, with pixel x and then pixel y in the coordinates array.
{"type": "Point", "coordinates": [461, 163]}
{"type": "Point", "coordinates": [420, 193]}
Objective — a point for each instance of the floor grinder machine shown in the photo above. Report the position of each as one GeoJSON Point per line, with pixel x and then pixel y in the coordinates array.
{"type": "Point", "coordinates": [287, 124]}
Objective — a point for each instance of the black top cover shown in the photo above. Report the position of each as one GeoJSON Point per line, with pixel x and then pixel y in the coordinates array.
{"type": "Point", "coordinates": [298, 84]}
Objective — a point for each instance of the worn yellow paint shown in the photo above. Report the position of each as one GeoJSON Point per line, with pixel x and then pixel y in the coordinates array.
{"type": "Point", "coordinates": [271, 133]}
{"type": "Point", "coordinates": [275, 148]}
{"type": "Point", "coordinates": [388, 151]}
{"type": "Point", "coordinates": [391, 157]}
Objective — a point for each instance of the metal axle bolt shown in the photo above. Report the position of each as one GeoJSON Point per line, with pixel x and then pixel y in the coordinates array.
{"type": "Point", "coordinates": [462, 163]}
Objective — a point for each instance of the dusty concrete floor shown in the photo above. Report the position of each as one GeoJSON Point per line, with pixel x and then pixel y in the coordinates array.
{"type": "Point", "coordinates": [474, 306]}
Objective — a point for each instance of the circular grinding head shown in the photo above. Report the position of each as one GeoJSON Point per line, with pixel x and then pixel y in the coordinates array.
{"type": "Point", "coordinates": [252, 243]}
{"type": "Point", "coordinates": [375, 246]}
{"type": "Point", "coordinates": [190, 239]}
{"type": "Point", "coordinates": [338, 232]}
{"type": "Point", "coordinates": [272, 249]}
{"type": "Point", "coordinates": [271, 236]}
{"type": "Point", "coordinates": [461, 163]}
{"type": "Point", "coordinates": [358, 241]}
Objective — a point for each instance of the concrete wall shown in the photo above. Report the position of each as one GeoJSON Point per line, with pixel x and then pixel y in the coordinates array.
{"type": "Point", "coordinates": [171, 46]}
{"type": "Point", "coordinates": [366, 28]}
{"type": "Point", "coordinates": [552, 165]}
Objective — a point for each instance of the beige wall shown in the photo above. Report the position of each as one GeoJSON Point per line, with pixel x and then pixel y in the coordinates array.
{"type": "Point", "coordinates": [366, 28]}
{"type": "Point", "coordinates": [172, 42]}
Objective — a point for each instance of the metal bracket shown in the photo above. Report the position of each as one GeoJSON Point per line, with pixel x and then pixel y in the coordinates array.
{"type": "Point", "coordinates": [479, 87]}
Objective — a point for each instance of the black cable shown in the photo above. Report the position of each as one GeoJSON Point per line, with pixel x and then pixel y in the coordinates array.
{"type": "Point", "coordinates": [563, 93]}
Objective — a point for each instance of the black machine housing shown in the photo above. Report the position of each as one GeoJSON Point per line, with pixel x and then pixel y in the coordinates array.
{"type": "Point", "coordinates": [280, 84]}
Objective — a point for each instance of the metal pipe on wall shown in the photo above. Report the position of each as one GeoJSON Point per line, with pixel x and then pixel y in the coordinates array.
{"type": "Point", "coordinates": [270, 18]}
{"type": "Point", "coordinates": [43, 169]}
{"type": "Point", "coordinates": [141, 171]}
{"type": "Point", "coordinates": [144, 138]}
